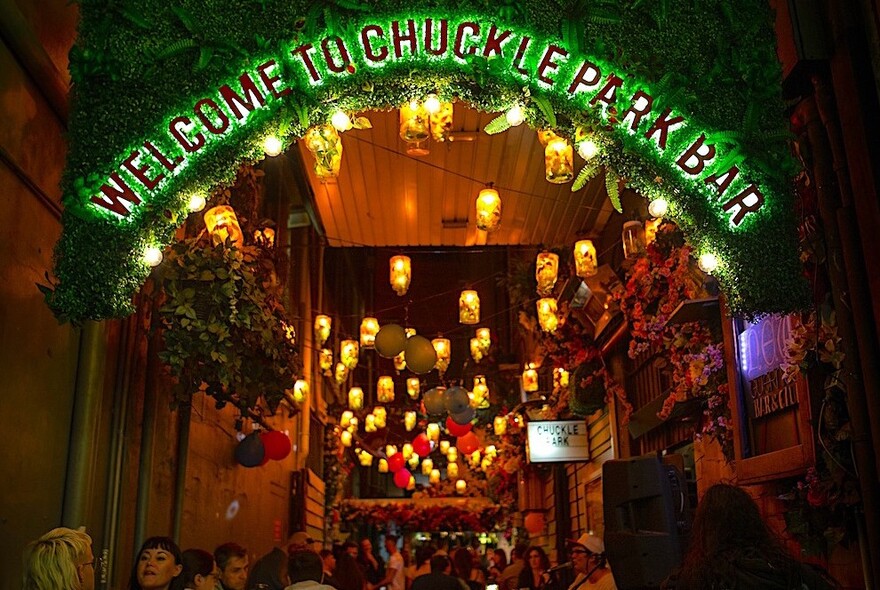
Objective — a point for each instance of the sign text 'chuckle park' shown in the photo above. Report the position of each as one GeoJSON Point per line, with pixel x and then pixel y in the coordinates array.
{"type": "Point", "coordinates": [544, 66]}
{"type": "Point", "coordinates": [558, 440]}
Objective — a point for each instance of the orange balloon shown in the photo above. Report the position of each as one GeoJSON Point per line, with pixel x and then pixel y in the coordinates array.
{"type": "Point", "coordinates": [534, 522]}
{"type": "Point", "coordinates": [468, 443]}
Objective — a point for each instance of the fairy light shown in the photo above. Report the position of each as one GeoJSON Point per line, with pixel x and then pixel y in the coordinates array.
{"type": "Point", "coordinates": [153, 255]}
{"type": "Point", "coordinates": [658, 208]}
{"type": "Point", "coordinates": [196, 203]}
{"type": "Point", "coordinates": [272, 146]}
{"type": "Point", "coordinates": [515, 115]}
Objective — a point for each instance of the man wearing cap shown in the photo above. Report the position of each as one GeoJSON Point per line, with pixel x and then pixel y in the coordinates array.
{"type": "Point", "coordinates": [588, 558]}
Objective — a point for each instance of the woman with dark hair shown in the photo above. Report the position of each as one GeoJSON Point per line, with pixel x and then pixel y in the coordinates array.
{"type": "Point", "coordinates": [199, 570]}
{"type": "Point", "coordinates": [731, 547]}
{"type": "Point", "coordinates": [158, 566]}
{"type": "Point", "coordinates": [463, 567]}
{"type": "Point", "coordinates": [271, 570]}
{"type": "Point", "coordinates": [348, 574]}
{"type": "Point", "coordinates": [534, 574]}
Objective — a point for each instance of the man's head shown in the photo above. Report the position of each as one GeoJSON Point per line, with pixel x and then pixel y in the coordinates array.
{"type": "Point", "coordinates": [366, 546]}
{"type": "Point", "coordinates": [232, 559]}
{"type": "Point", "coordinates": [299, 540]}
{"type": "Point", "coordinates": [391, 544]}
{"type": "Point", "coordinates": [518, 551]}
{"type": "Point", "coordinates": [351, 548]}
{"type": "Point", "coordinates": [329, 560]}
{"type": "Point", "coordinates": [61, 559]}
{"type": "Point", "coordinates": [303, 565]}
{"type": "Point", "coordinates": [440, 564]}
{"type": "Point", "coordinates": [587, 549]}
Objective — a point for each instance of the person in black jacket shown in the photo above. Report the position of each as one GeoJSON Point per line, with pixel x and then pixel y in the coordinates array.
{"type": "Point", "coordinates": [439, 578]}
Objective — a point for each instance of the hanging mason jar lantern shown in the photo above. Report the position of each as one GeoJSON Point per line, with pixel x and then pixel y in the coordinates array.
{"type": "Point", "coordinates": [586, 264]}
{"type": "Point", "coordinates": [406, 450]}
{"type": "Point", "coordinates": [370, 423]}
{"type": "Point", "coordinates": [325, 360]}
{"type": "Point", "coordinates": [322, 328]}
{"type": "Point", "coordinates": [530, 379]}
{"type": "Point", "coordinates": [443, 349]}
{"type": "Point", "coordinates": [340, 373]}
{"type": "Point", "coordinates": [452, 470]}
{"type": "Point", "coordinates": [499, 425]}
{"type": "Point", "coordinates": [474, 458]}
{"type": "Point", "coordinates": [481, 392]}
{"type": "Point", "coordinates": [546, 271]}
{"type": "Point", "coordinates": [559, 161]}
{"type": "Point", "coordinates": [353, 425]}
{"type": "Point", "coordinates": [441, 122]}
{"type": "Point", "coordinates": [391, 450]}
{"type": "Point", "coordinates": [365, 458]}
{"type": "Point", "coordinates": [300, 391]}
{"type": "Point", "coordinates": [427, 466]}
{"type": "Point", "coordinates": [348, 353]}
{"type": "Point", "coordinates": [345, 438]}
{"type": "Point", "coordinates": [413, 387]}
{"type": "Point", "coordinates": [381, 417]}
{"type": "Point", "coordinates": [461, 486]}
{"type": "Point", "coordinates": [547, 310]}
{"type": "Point", "coordinates": [356, 398]}
{"type": "Point", "coordinates": [222, 225]}
{"type": "Point", "coordinates": [385, 389]}
{"type": "Point", "coordinates": [383, 465]}
{"type": "Point", "coordinates": [476, 350]}
{"type": "Point", "coordinates": [411, 485]}
{"type": "Point", "coordinates": [400, 273]}
{"type": "Point", "coordinates": [651, 226]}
{"type": "Point", "coordinates": [452, 455]}
{"type": "Point", "coordinates": [633, 237]}
{"type": "Point", "coordinates": [265, 237]}
{"type": "Point", "coordinates": [469, 307]}
{"type": "Point", "coordinates": [414, 461]}
{"type": "Point", "coordinates": [414, 125]}
{"type": "Point", "coordinates": [444, 447]}
{"type": "Point", "coordinates": [488, 210]}
{"type": "Point", "coordinates": [434, 478]}
{"type": "Point", "coordinates": [560, 377]}
{"type": "Point", "coordinates": [324, 143]}
{"type": "Point", "coordinates": [345, 418]}
{"type": "Point", "coordinates": [369, 329]}
{"type": "Point", "coordinates": [484, 335]}
{"type": "Point", "coordinates": [409, 420]}
{"type": "Point", "coordinates": [433, 432]}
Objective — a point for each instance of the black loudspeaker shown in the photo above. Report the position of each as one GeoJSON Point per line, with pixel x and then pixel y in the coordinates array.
{"type": "Point", "coordinates": [642, 540]}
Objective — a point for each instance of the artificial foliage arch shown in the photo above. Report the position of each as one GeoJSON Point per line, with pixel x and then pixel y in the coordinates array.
{"type": "Point", "coordinates": [168, 101]}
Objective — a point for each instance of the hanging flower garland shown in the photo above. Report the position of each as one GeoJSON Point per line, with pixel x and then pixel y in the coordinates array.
{"type": "Point", "coordinates": [411, 517]}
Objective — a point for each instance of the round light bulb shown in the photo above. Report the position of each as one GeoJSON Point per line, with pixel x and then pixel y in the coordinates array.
{"type": "Point", "coordinates": [708, 262]}
{"type": "Point", "coordinates": [414, 105]}
{"type": "Point", "coordinates": [587, 149]}
{"type": "Point", "coordinates": [515, 116]}
{"type": "Point", "coordinates": [658, 208]}
{"type": "Point", "coordinates": [341, 121]}
{"type": "Point", "coordinates": [153, 255]}
{"type": "Point", "coordinates": [432, 104]}
{"type": "Point", "coordinates": [197, 203]}
{"type": "Point", "coordinates": [272, 146]}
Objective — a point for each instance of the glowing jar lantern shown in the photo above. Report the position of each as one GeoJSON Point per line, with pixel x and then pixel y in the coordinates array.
{"type": "Point", "coordinates": [469, 307]}
{"type": "Point", "coordinates": [481, 392]}
{"type": "Point", "coordinates": [356, 398]}
{"type": "Point", "coordinates": [434, 478]}
{"type": "Point", "coordinates": [547, 314]}
{"type": "Point", "coordinates": [348, 353]}
{"type": "Point", "coordinates": [340, 373]}
{"type": "Point", "coordinates": [381, 418]}
{"type": "Point", "coordinates": [370, 423]}
{"type": "Point", "coordinates": [366, 459]}
{"type": "Point", "coordinates": [345, 438]}
{"type": "Point", "coordinates": [441, 122]}
{"type": "Point", "coordinates": [409, 421]}
{"type": "Point", "coordinates": [452, 470]}
{"type": "Point", "coordinates": [414, 461]}
{"type": "Point", "coordinates": [406, 451]}
{"type": "Point", "coordinates": [530, 379]}
{"type": "Point", "coordinates": [633, 237]}
{"type": "Point", "coordinates": [484, 335]}
{"type": "Point", "coordinates": [546, 271]}
{"type": "Point", "coordinates": [414, 122]}
{"type": "Point", "coordinates": [385, 389]}
{"type": "Point", "coordinates": [491, 451]}
{"type": "Point", "coordinates": [324, 143]}
{"type": "Point", "coordinates": [433, 432]}
{"type": "Point", "coordinates": [477, 351]}
{"type": "Point", "coordinates": [413, 387]}
{"type": "Point", "coordinates": [427, 466]}
{"type": "Point", "coordinates": [369, 329]}
{"type": "Point", "coordinates": [444, 446]}
{"type": "Point", "coordinates": [461, 486]}
{"type": "Point", "coordinates": [265, 237]}
{"type": "Point", "coordinates": [391, 450]}
{"type": "Point", "coordinates": [400, 273]}
{"type": "Point", "coordinates": [323, 323]}
{"type": "Point", "coordinates": [488, 210]}
{"type": "Point", "coordinates": [353, 425]}
{"type": "Point", "coordinates": [222, 225]}
{"type": "Point", "coordinates": [560, 377]}
{"type": "Point", "coordinates": [559, 161]}
{"type": "Point", "coordinates": [452, 455]}
{"type": "Point", "coordinates": [300, 391]}
{"type": "Point", "coordinates": [345, 418]}
{"type": "Point", "coordinates": [475, 457]}
{"type": "Point", "coordinates": [444, 351]}
{"type": "Point", "coordinates": [500, 425]}
{"type": "Point", "coordinates": [383, 465]}
{"type": "Point", "coordinates": [651, 226]}
{"type": "Point", "coordinates": [411, 485]}
{"type": "Point", "coordinates": [325, 359]}
{"type": "Point", "coordinates": [586, 264]}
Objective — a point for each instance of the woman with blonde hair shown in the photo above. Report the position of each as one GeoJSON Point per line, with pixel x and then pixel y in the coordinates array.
{"type": "Point", "coordinates": [61, 559]}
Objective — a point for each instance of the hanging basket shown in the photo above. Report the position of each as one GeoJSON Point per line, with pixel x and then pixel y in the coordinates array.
{"type": "Point", "coordinates": [587, 388]}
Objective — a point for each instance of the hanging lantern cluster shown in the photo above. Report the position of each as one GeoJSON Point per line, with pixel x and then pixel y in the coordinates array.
{"type": "Point", "coordinates": [633, 238]}
{"type": "Point", "coordinates": [585, 260]}
{"type": "Point", "coordinates": [547, 314]}
{"type": "Point", "coordinates": [441, 118]}
{"type": "Point", "coordinates": [385, 389]}
{"type": "Point", "coordinates": [323, 324]}
{"type": "Point", "coordinates": [530, 379]}
{"type": "Point", "coordinates": [488, 210]}
{"type": "Point", "coordinates": [222, 225]}
{"type": "Point", "coordinates": [420, 120]}
{"type": "Point", "coordinates": [443, 348]}
{"type": "Point", "coordinates": [400, 273]}
{"type": "Point", "coordinates": [546, 271]}
{"type": "Point", "coordinates": [469, 307]}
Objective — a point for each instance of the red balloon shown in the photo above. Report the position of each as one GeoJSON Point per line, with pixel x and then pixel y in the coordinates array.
{"type": "Point", "coordinates": [456, 429]}
{"type": "Point", "coordinates": [396, 463]}
{"type": "Point", "coordinates": [534, 522]}
{"type": "Point", "coordinates": [421, 445]}
{"type": "Point", "coordinates": [276, 443]}
{"type": "Point", "coordinates": [401, 478]}
{"type": "Point", "coordinates": [468, 443]}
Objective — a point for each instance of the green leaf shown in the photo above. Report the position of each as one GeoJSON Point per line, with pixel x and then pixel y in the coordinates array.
{"type": "Point", "coordinates": [497, 125]}
{"type": "Point", "coordinates": [587, 173]}
{"type": "Point", "coordinates": [546, 109]}
{"type": "Point", "coordinates": [361, 123]}
{"type": "Point", "coordinates": [613, 190]}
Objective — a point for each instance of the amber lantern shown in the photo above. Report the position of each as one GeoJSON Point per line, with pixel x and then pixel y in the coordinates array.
{"type": "Point", "coordinates": [369, 329]}
{"type": "Point", "coordinates": [559, 161]}
{"type": "Point", "coordinates": [452, 470]}
{"type": "Point", "coordinates": [651, 226]}
{"type": "Point", "coordinates": [484, 335]}
{"type": "Point", "coordinates": [461, 486]}
{"type": "Point", "coordinates": [340, 373]}
{"type": "Point", "coordinates": [433, 432]}
{"type": "Point", "coordinates": [560, 377]}
{"type": "Point", "coordinates": [385, 389]}
{"type": "Point", "coordinates": [434, 478]}
{"type": "Point", "coordinates": [406, 450]}
{"type": "Point", "coordinates": [441, 122]}
{"type": "Point", "coordinates": [381, 417]}
{"type": "Point", "coordinates": [409, 420]}
{"type": "Point", "coordinates": [452, 455]}
{"type": "Point", "coordinates": [413, 387]}
{"type": "Point", "coordinates": [488, 210]}
{"type": "Point", "coordinates": [444, 350]}
{"type": "Point", "coordinates": [633, 237]}
{"type": "Point", "coordinates": [366, 459]}
{"type": "Point", "coordinates": [546, 271]}
{"type": "Point", "coordinates": [348, 353]}
{"type": "Point", "coordinates": [530, 379]}
{"type": "Point", "coordinates": [300, 391]}
{"type": "Point", "coordinates": [469, 307]}
{"type": "Point", "coordinates": [427, 466]}
{"type": "Point", "coordinates": [547, 314]}
{"type": "Point", "coordinates": [499, 425]}
{"type": "Point", "coordinates": [325, 359]}
{"type": "Point", "coordinates": [585, 261]}
{"type": "Point", "coordinates": [356, 398]}
{"type": "Point", "coordinates": [476, 350]}
{"type": "Point", "coordinates": [345, 418]}
{"type": "Point", "coordinates": [345, 438]}
{"type": "Point", "coordinates": [323, 324]}
{"type": "Point", "coordinates": [444, 447]}
{"type": "Point", "coordinates": [383, 465]}
{"type": "Point", "coordinates": [265, 237]}
{"type": "Point", "coordinates": [400, 273]}
{"type": "Point", "coordinates": [222, 225]}
{"type": "Point", "coordinates": [370, 423]}
{"type": "Point", "coordinates": [324, 143]}
{"type": "Point", "coordinates": [481, 392]}
{"type": "Point", "coordinates": [414, 461]}
{"type": "Point", "coordinates": [414, 124]}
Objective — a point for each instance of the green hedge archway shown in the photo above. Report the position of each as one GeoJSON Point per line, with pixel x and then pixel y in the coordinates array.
{"type": "Point", "coordinates": [683, 98]}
